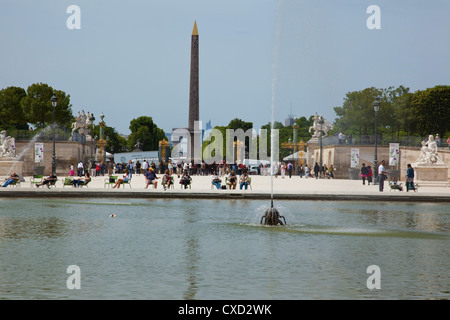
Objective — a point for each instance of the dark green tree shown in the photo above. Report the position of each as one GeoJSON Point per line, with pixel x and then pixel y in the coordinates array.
{"type": "Point", "coordinates": [356, 116]}
{"type": "Point", "coordinates": [147, 132]}
{"type": "Point", "coordinates": [432, 110]}
{"type": "Point", "coordinates": [11, 112]}
{"type": "Point", "coordinates": [38, 109]}
{"type": "Point", "coordinates": [115, 142]}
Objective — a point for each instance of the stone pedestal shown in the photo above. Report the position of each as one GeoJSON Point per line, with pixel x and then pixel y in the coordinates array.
{"type": "Point", "coordinates": [431, 174]}
{"type": "Point", "coordinates": [7, 167]}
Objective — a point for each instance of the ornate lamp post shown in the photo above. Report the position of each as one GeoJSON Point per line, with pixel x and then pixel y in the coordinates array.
{"type": "Point", "coordinates": [321, 122]}
{"type": "Point", "coordinates": [54, 101]}
{"type": "Point", "coordinates": [92, 119]}
{"type": "Point", "coordinates": [376, 107]}
{"type": "Point", "coordinates": [295, 134]}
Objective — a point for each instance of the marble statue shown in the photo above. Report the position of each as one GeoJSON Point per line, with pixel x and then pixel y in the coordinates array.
{"type": "Point", "coordinates": [428, 152]}
{"type": "Point", "coordinates": [7, 146]}
{"type": "Point", "coordinates": [82, 123]}
{"type": "Point", "coordinates": [325, 127]}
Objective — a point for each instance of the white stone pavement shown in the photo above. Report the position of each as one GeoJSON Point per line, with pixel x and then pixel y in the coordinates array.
{"type": "Point", "coordinates": [260, 184]}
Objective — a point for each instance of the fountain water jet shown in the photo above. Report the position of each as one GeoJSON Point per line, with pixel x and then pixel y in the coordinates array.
{"type": "Point", "coordinates": [272, 216]}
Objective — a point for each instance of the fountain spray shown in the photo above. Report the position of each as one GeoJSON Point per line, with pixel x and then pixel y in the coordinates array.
{"type": "Point", "coordinates": [272, 216]}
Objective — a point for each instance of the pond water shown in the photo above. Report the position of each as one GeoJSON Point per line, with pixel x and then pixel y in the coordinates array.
{"type": "Point", "coordinates": [217, 249]}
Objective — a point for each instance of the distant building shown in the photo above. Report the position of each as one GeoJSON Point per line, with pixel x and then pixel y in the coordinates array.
{"type": "Point", "coordinates": [169, 137]}
{"type": "Point", "coordinates": [289, 121]}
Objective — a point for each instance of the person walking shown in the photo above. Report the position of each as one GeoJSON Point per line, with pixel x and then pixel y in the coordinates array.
{"type": "Point", "coordinates": [382, 175]}
{"type": "Point", "coordinates": [369, 175]}
{"type": "Point", "coordinates": [283, 170]}
{"type": "Point", "coordinates": [72, 171]}
{"type": "Point", "coordinates": [364, 173]}
{"type": "Point", "coordinates": [410, 178]}
{"type": "Point", "coordinates": [316, 170]}
{"type": "Point", "coordinates": [290, 166]}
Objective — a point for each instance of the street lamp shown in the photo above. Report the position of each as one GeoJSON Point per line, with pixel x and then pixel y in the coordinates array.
{"type": "Point", "coordinates": [321, 122]}
{"type": "Point", "coordinates": [54, 101]}
{"type": "Point", "coordinates": [376, 107]}
{"type": "Point", "coordinates": [92, 119]}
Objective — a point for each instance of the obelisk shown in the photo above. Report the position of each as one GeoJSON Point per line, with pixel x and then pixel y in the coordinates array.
{"type": "Point", "coordinates": [193, 92]}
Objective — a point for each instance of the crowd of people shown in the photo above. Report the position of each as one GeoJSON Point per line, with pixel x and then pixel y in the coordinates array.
{"type": "Point", "coordinates": [222, 175]}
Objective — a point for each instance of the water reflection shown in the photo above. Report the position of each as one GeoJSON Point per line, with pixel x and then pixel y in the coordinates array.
{"type": "Point", "coordinates": [38, 228]}
{"type": "Point", "coordinates": [191, 244]}
{"type": "Point", "coordinates": [409, 217]}
{"type": "Point", "coordinates": [190, 249]}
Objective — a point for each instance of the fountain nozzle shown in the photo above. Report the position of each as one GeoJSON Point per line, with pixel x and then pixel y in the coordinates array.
{"type": "Point", "coordinates": [272, 217]}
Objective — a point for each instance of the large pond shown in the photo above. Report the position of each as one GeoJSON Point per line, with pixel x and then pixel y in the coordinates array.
{"type": "Point", "coordinates": [217, 249]}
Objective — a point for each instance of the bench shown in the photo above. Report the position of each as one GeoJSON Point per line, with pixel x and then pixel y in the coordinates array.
{"type": "Point", "coordinates": [36, 179]}
{"type": "Point", "coordinates": [111, 180]}
{"type": "Point", "coordinates": [67, 182]}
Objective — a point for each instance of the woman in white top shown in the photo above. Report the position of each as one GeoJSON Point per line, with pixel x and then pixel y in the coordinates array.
{"type": "Point", "coordinates": [126, 178]}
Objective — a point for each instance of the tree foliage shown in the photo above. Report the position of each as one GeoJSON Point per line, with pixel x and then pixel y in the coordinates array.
{"type": "Point", "coordinates": [401, 112]}
{"type": "Point", "coordinates": [11, 112]}
{"type": "Point", "coordinates": [115, 142]}
{"type": "Point", "coordinates": [38, 108]}
{"type": "Point", "coordinates": [147, 132]}
{"type": "Point", "coordinates": [432, 110]}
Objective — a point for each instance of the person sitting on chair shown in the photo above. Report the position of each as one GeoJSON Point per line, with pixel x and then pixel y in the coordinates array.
{"type": "Point", "coordinates": [185, 179]}
{"type": "Point", "coordinates": [244, 181]}
{"type": "Point", "coordinates": [150, 178]}
{"type": "Point", "coordinates": [232, 180]}
{"type": "Point", "coordinates": [394, 185]}
{"type": "Point", "coordinates": [48, 181]}
{"type": "Point", "coordinates": [215, 180]}
{"type": "Point", "coordinates": [167, 179]}
{"type": "Point", "coordinates": [126, 178]}
{"type": "Point", "coordinates": [78, 182]}
{"type": "Point", "coordinates": [11, 179]}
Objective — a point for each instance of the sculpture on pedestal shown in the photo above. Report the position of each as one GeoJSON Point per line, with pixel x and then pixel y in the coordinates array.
{"type": "Point", "coordinates": [428, 152]}
{"type": "Point", "coordinates": [82, 123]}
{"type": "Point", "coordinates": [7, 146]}
{"type": "Point", "coordinates": [320, 127]}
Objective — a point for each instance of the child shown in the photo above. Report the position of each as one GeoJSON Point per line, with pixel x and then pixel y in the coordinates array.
{"type": "Point", "coordinates": [72, 170]}
{"type": "Point", "coordinates": [393, 184]}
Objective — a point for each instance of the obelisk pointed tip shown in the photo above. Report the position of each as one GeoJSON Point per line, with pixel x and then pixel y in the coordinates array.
{"type": "Point", "coordinates": [195, 31]}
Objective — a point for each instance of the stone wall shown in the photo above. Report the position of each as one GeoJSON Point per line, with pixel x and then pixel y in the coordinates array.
{"type": "Point", "coordinates": [339, 157]}
{"type": "Point", "coordinates": [67, 152]}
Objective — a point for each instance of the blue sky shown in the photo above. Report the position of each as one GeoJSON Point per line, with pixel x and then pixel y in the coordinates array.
{"type": "Point", "coordinates": [131, 58]}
